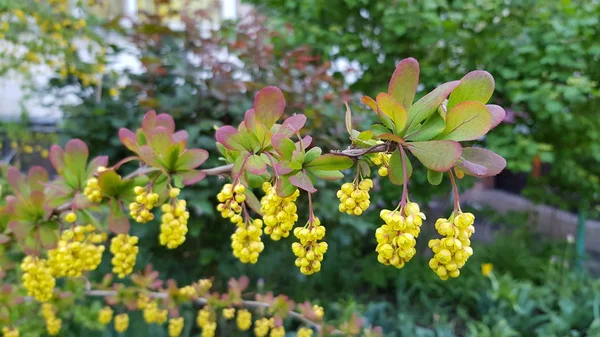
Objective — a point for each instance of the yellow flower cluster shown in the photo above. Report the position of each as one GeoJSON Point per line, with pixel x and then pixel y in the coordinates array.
{"type": "Point", "coordinates": [77, 251]}
{"type": "Point", "coordinates": [92, 190]}
{"type": "Point", "coordinates": [231, 200]}
{"type": "Point", "coordinates": [175, 326]}
{"type": "Point", "coordinates": [205, 285]}
{"type": "Point", "coordinates": [262, 326]}
{"type": "Point", "coordinates": [228, 313]}
{"type": "Point", "coordinates": [319, 311]}
{"type": "Point", "coordinates": [143, 204]}
{"type": "Point", "coordinates": [396, 239]}
{"type": "Point", "coordinates": [209, 329]}
{"type": "Point", "coordinates": [309, 251]}
{"type": "Point", "coordinates": [124, 249]}
{"type": "Point", "coordinates": [304, 332]}
{"type": "Point", "coordinates": [188, 292]}
{"type": "Point", "coordinates": [382, 160]}
{"type": "Point", "coordinates": [152, 314]}
{"type": "Point", "coordinates": [121, 322]}
{"type": "Point", "coordinates": [37, 278]}
{"type": "Point", "coordinates": [354, 200]}
{"type": "Point", "coordinates": [246, 241]}
{"type": "Point", "coordinates": [278, 331]}
{"type": "Point", "coordinates": [142, 301]}
{"type": "Point", "coordinates": [8, 332]}
{"type": "Point", "coordinates": [452, 252]}
{"type": "Point", "coordinates": [279, 213]}
{"type": "Point", "coordinates": [105, 315]}
{"type": "Point", "coordinates": [71, 217]}
{"type": "Point", "coordinates": [243, 319]}
{"type": "Point", "coordinates": [173, 226]}
{"type": "Point", "coordinates": [53, 323]}
{"type": "Point", "coordinates": [204, 317]}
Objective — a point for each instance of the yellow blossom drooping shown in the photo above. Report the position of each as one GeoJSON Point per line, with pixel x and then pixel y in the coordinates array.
{"type": "Point", "coordinates": [71, 217]}
{"type": "Point", "coordinates": [304, 332]}
{"type": "Point", "coordinates": [319, 311]}
{"type": "Point", "coordinates": [175, 326]}
{"type": "Point", "coordinates": [243, 319]}
{"type": "Point", "coordinates": [262, 326]}
{"type": "Point", "coordinates": [278, 331]}
{"type": "Point", "coordinates": [209, 329]}
{"type": "Point", "coordinates": [309, 251]}
{"type": "Point", "coordinates": [143, 204]}
{"type": "Point", "coordinates": [92, 190]}
{"type": "Point", "coordinates": [37, 278]}
{"type": "Point", "coordinates": [382, 160]}
{"type": "Point", "coordinates": [124, 249]}
{"type": "Point", "coordinates": [173, 226]}
{"type": "Point", "coordinates": [152, 314]}
{"type": "Point", "coordinates": [452, 252]}
{"type": "Point", "coordinates": [230, 202]}
{"type": "Point", "coordinates": [53, 323]}
{"type": "Point", "coordinates": [355, 199]}
{"type": "Point", "coordinates": [10, 332]}
{"type": "Point", "coordinates": [279, 214]}
{"type": "Point", "coordinates": [228, 313]}
{"type": "Point", "coordinates": [188, 292]}
{"type": "Point", "coordinates": [105, 315]}
{"type": "Point", "coordinates": [204, 317]}
{"type": "Point", "coordinates": [142, 301]}
{"type": "Point", "coordinates": [396, 239]}
{"type": "Point", "coordinates": [246, 241]}
{"type": "Point", "coordinates": [121, 322]}
{"type": "Point", "coordinates": [78, 250]}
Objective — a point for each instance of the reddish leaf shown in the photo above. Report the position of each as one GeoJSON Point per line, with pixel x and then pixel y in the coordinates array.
{"type": "Point", "coordinates": [180, 136]}
{"type": "Point", "coordinates": [160, 140]}
{"type": "Point", "coordinates": [149, 121]}
{"type": "Point", "coordinates": [370, 103]}
{"type": "Point", "coordinates": [192, 158]}
{"type": "Point", "coordinates": [4, 239]}
{"type": "Point", "coordinates": [477, 86]}
{"type": "Point", "coordinates": [57, 158]}
{"type": "Point", "coordinates": [165, 121]}
{"type": "Point", "coordinates": [229, 137]}
{"type": "Point", "coordinates": [282, 169]}
{"type": "Point", "coordinates": [306, 141]}
{"type": "Point", "coordinates": [269, 105]}
{"type": "Point", "coordinates": [390, 136]}
{"type": "Point", "coordinates": [480, 162]}
{"type": "Point", "coordinates": [36, 177]}
{"type": "Point", "coordinates": [20, 228]}
{"type": "Point", "coordinates": [76, 154]}
{"type": "Point", "coordinates": [95, 163]}
{"type": "Point", "coordinates": [294, 123]}
{"type": "Point", "coordinates": [301, 180]}
{"type": "Point", "coordinates": [404, 82]}
{"type": "Point", "coordinates": [14, 177]}
{"type": "Point", "coordinates": [429, 103]}
{"type": "Point", "coordinates": [256, 165]}
{"type": "Point", "coordinates": [192, 177]}
{"type": "Point", "coordinates": [497, 113]}
{"type": "Point", "coordinates": [467, 121]}
{"type": "Point", "coordinates": [391, 108]}
{"type": "Point", "coordinates": [47, 236]}
{"type": "Point", "coordinates": [129, 139]}
{"type": "Point", "coordinates": [436, 155]}
{"type": "Point", "coordinates": [118, 223]}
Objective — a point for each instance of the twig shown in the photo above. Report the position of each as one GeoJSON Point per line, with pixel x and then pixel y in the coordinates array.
{"type": "Point", "coordinates": [355, 153]}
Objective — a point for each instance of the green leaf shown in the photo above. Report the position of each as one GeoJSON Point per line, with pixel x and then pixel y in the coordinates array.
{"type": "Point", "coordinates": [286, 148]}
{"type": "Point", "coordinates": [434, 177]}
{"type": "Point", "coordinates": [396, 170]}
{"type": "Point", "coordinates": [348, 120]}
{"type": "Point", "coordinates": [467, 121]}
{"type": "Point", "coordinates": [378, 129]}
{"type": "Point", "coordinates": [328, 175]}
{"type": "Point", "coordinates": [284, 188]}
{"type": "Point", "coordinates": [252, 201]}
{"type": "Point", "coordinates": [297, 160]}
{"type": "Point", "coordinates": [428, 130]}
{"type": "Point", "coordinates": [391, 108]}
{"type": "Point", "coordinates": [173, 153]}
{"type": "Point", "coordinates": [404, 82]}
{"type": "Point", "coordinates": [428, 104]}
{"type": "Point", "coordinates": [178, 181]}
{"type": "Point", "coordinates": [480, 162]}
{"type": "Point", "coordinates": [312, 154]}
{"type": "Point", "coordinates": [110, 183]}
{"type": "Point", "coordinates": [436, 155]}
{"type": "Point", "coordinates": [328, 162]}
{"type": "Point", "coordinates": [302, 181]}
{"type": "Point", "coordinates": [364, 167]}
{"type": "Point", "coordinates": [477, 86]}
{"type": "Point", "coordinates": [48, 235]}
{"type": "Point", "coordinates": [256, 164]}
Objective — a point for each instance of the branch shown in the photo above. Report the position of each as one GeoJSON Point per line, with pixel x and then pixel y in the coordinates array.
{"type": "Point", "coordinates": [204, 301]}
{"type": "Point", "coordinates": [356, 153]}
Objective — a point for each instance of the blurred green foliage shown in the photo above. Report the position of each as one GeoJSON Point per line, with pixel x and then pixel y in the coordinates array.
{"type": "Point", "coordinates": [543, 55]}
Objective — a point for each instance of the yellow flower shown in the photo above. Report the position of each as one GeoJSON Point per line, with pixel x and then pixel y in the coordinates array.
{"type": "Point", "coordinates": [37, 278]}
{"type": "Point", "coordinates": [229, 313]}
{"type": "Point", "coordinates": [304, 332]}
{"type": "Point", "coordinates": [309, 251]}
{"type": "Point", "coordinates": [175, 326]}
{"type": "Point", "coordinates": [77, 251]}
{"type": "Point", "coordinates": [28, 149]}
{"type": "Point", "coordinates": [121, 322]}
{"type": "Point", "coordinates": [124, 248]}
{"type": "Point", "coordinates": [105, 315]}
{"type": "Point", "coordinates": [244, 319]}
{"type": "Point", "coordinates": [8, 332]}
{"type": "Point", "coordinates": [140, 210]}
{"type": "Point", "coordinates": [173, 227]}
{"type": "Point", "coordinates": [279, 214]}
{"type": "Point", "coordinates": [354, 198]}
{"type": "Point", "coordinates": [113, 92]}
{"type": "Point", "coordinates": [486, 269]}
{"type": "Point", "coordinates": [71, 217]}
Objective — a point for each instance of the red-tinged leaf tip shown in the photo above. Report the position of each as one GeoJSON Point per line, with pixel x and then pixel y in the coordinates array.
{"type": "Point", "coordinates": [467, 121]}
{"type": "Point", "coordinates": [180, 136]}
{"type": "Point", "coordinates": [256, 165]}
{"type": "Point", "coordinates": [498, 114]}
{"type": "Point", "coordinates": [20, 228]}
{"type": "Point", "coordinates": [390, 136]}
{"type": "Point", "coordinates": [250, 118]}
{"type": "Point", "coordinates": [477, 86]}
{"type": "Point", "coordinates": [13, 175]}
{"type": "Point", "coordinates": [480, 162]}
{"type": "Point", "coordinates": [57, 158]}
{"type": "Point", "coordinates": [4, 239]}
{"type": "Point", "coordinates": [192, 177]}
{"type": "Point", "coordinates": [149, 121]}
{"type": "Point", "coordinates": [192, 158]}
{"type": "Point", "coordinates": [429, 103]}
{"type": "Point", "coordinates": [48, 237]}
{"type": "Point", "coordinates": [269, 105]}
{"type": "Point", "coordinates": [36, 177]}
{"type": "Point", "coordinates": [226, 136]}
{"type": "Point", "coordinates": [404, 82]}
{"type": "Point", "coordinates": [95, 163]}
{"type": "Point", "coordinates": [391, 108]}
{"type": "Point", "coordinates": [295, 122]}
{"type": "Point", "coordinates": [306, 141]}
{"type": "Point", "coordinates": [166, 121]}
{"type": "Point", "coordinates": [436, 155]}
{"type": "Point", "coordinates": [77, 147]}
{"type": "Point", "coordinates": [370, 103]}
{"type": "Point", "coordinates": [128, 138]}
{"type": "Point", "coordinates": [302, 181]}
{"type": "Point", "coordinates": [118, 223]}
